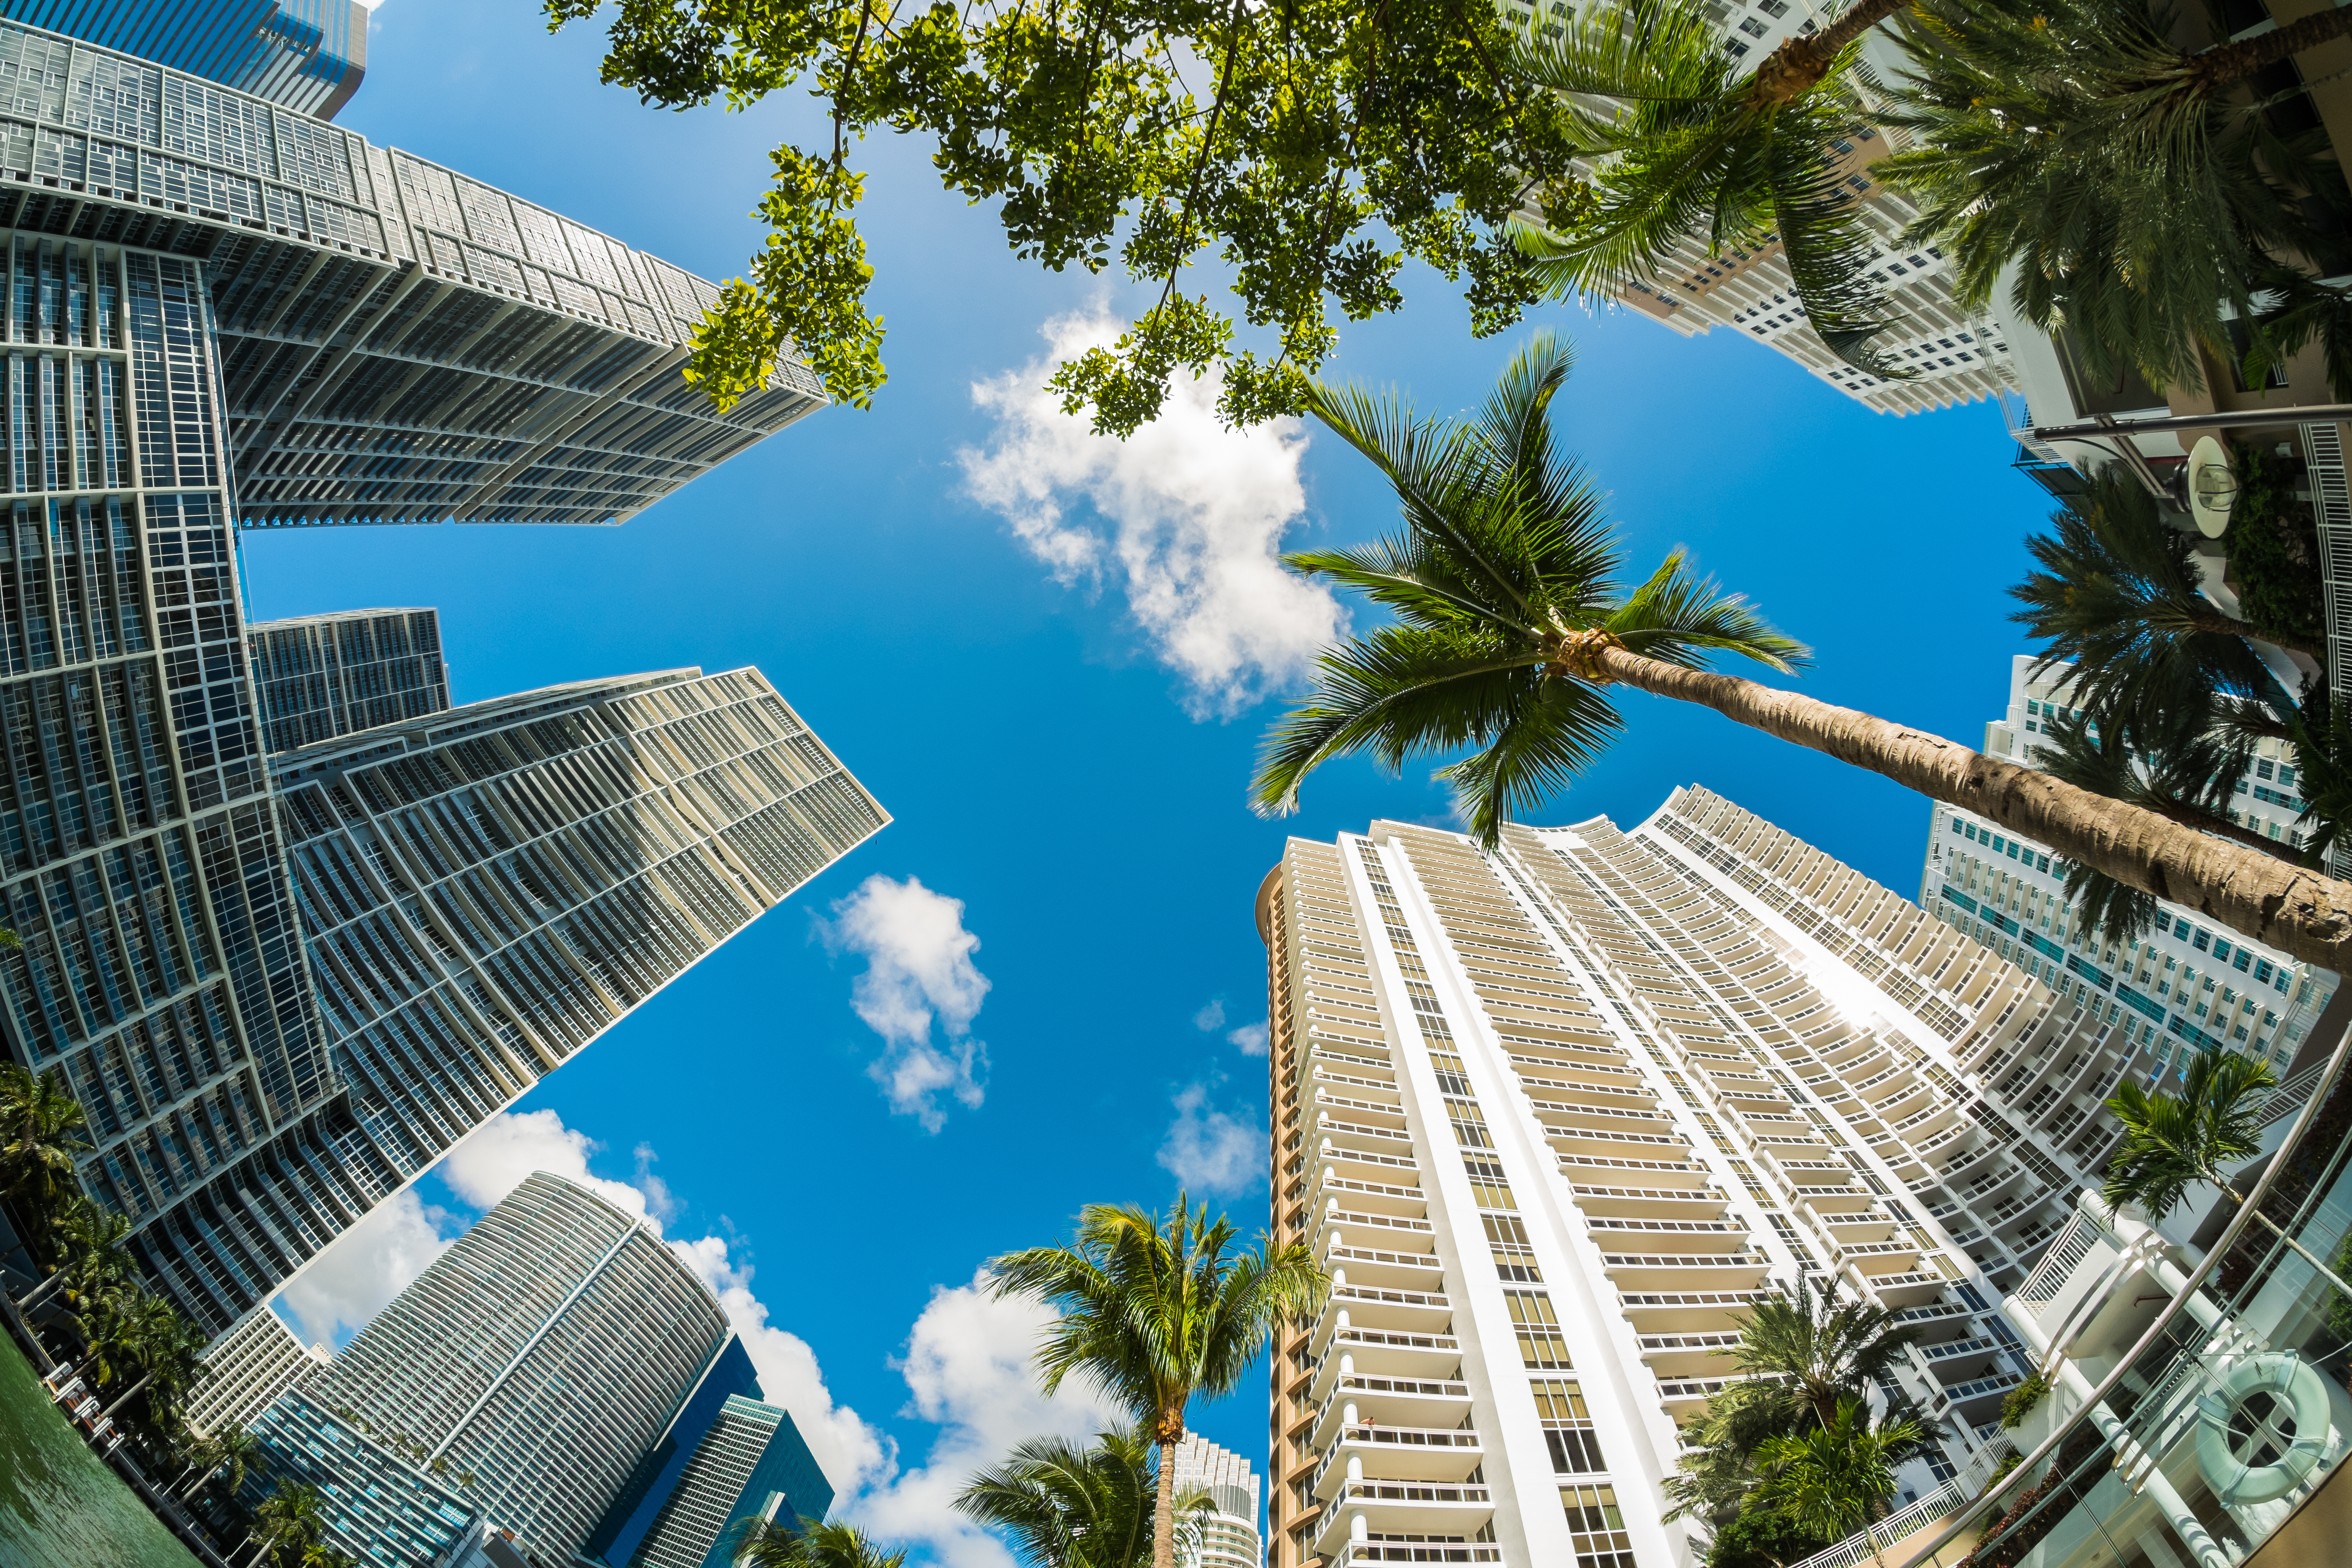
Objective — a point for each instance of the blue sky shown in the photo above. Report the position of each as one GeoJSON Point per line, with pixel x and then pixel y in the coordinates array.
{"type": "Point", "coordinates": [1052, 663]}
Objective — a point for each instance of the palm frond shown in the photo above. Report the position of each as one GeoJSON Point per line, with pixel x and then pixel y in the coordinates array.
{"type": "Point", "coordinates": [1677, 616]}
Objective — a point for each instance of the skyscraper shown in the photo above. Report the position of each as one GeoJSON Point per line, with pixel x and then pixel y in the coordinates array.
{"type": "Point", "coordinates": [523, 1377]}
{"type": "Point", "coordinates": [1229, 1528]}
{"type": "Point", "coordinates": [318, 677]}
{"type": "Point", "coordinates": [1554, 1115]}
{"type": "Point", "coordinates": [484, 892]}
{"type": "Point", "coordinates": [751, 1464]}
{"type": "Point", "coordinates": [2182, 985]}
{"type": "Point", "coordinates": [303, 54]}
{"type": "Point", "coordinates": [248, 1370]}
{"type": "Point", "coordinates": [396, 343]}
{"type": "Point", "coordinates": [623, 1528]}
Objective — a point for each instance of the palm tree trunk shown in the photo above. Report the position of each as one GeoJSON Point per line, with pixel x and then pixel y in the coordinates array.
{"type": "Point", "coordinates": [2205, 821]}
{"type": "Point", "coordinates": [2309, 1256]}
{"type": "Point", "coordinates": [1797, 67]}
{"type": "Point", "coordinates": [1163, 1516]}
{"type": "Point", "coordinates": [2236, 62]}
{"type": "Point", "coordinates": [126, 1395]}
{"type": "Point", "coordinates": [2289, 907]}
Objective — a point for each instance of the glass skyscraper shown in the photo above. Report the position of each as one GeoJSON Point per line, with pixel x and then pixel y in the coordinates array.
{"type": "Point", "coordinates": [484, 892]}
{"type": "Point", "coordinates": [318, 677]}
{"type": "Point", "coordinates": [516, 1384]}
{"type": "Point", "coordinates": [215, 312]}
{"type": "Point", "coordinates": [304, 54]}
{"type": "Point", "coordinates": [751, 1464]}
{"type": "Point", "coordinates": [396, 343]}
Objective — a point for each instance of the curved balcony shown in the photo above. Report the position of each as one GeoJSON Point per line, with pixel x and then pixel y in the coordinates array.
{"type": "Point", "coordinates": [1385, 1353]}
{"type": "Point", "coordinates": [1617, 1234]}
{"type": "Point", "coordinates": [1700, 1271]}
{"type": "Point", "coordinates": [1648, 1202]}
{"type": "Point", "coordinates": [1583, 1144]}
{"type": "Point", "coordinates": [1398, 1453]}
{"type": "Point", "coordinates": [1326, 1106]}
{"type": "Point", "coordinates": [1427, 1402]}
{"type": "Point", "coordinates": [1454, 1512]}
{"type": "Point", "coordinates": [1368, 1196]}
{"type": "Point", "coordinates": [1688, 1355]}
{"type": "Point", "coordinates": [1372, 1266]}
{"type": "Point", "coordinates": [1369, 1137]}
{"type": "Point", "coordinates": [1387, 1232]}
{"type": "Point", "coordinates": [1594, 1169]}
{"type": "Point", "coordinates": [1377, 1553]}
{"type": "Point", "coordinates": [1380, 1307]}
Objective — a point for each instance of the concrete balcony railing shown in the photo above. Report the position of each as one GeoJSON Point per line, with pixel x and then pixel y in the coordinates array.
{"type": "Point", "coordinates": [1428, 1402]}
{"type": "Point", "coordinates": [1416, 1509]}
{"type": "Point", "coordinates": [1368, 1451]}
{"type": "Point", "coordinates": [1370, 1554]}
{"type": "Point", "coordinates": [1380, 1307]}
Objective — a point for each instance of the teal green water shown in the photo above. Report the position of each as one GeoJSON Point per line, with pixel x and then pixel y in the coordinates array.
{"type": "Point", "coordinates": [60, 1507]}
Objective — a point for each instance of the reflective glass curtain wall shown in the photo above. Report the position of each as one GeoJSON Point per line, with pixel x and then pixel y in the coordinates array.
{"type": "Point", "coordinates": [305, 55]}
{"type": "Point", "coordinates": [140, 862]}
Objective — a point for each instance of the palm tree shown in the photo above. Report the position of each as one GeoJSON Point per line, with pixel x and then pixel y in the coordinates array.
{"type": "Point", "coordinates": [164, 1346]}
{"type": "Point", "coordinates": [92, 1257]}
{"type": "Point", "coordinates": [1684, 146]}
{"type": "Point", "coordinates": [2184, 767]}
{"type": "Point", "coordinates": [2170, 1142]}
{"type": "Point", "coordinates": [289, 1527]}
{"type": "Point", "coordinates": [1510, 628]}
{"type": "Point", "coordinates": [1819, 1351]}
{"type": "Point", "coordinates": [1158, 1311]}
{"type": "Point", "coordinates": [2133, 182]}
{"type": "Point", "coordinates": [814, 1543]}
{"type": "Point", "coordinates": [231, 1449]}
{"type": "Point", "coordinates": [40, 1133]}
{"type": "Point", "coordinates": [1838, 1478]}
{"type": "Point", "coordinates": [2117, 595]}
{"type": "Point", "coordinates": [1068, 1507]}
{"type": "Point", "coordinates": [1717, 1469]}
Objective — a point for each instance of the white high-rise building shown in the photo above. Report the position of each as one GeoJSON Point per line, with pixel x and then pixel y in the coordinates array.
{"type": "Point", "coordinates": [1554, 1115]}
{"type": "Point", "coordinates": [1229, 1537]}
{"type": "Point", "coordinates": [2187, 983]}
{"type": "Point", "coordinates": [247, 1367]}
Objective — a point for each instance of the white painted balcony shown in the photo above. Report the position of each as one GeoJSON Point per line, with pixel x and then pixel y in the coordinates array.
{"type": "Point", "coordinates": [1385, 1352]}
{"type": "Point", "coordinates": [1647, 1203]}
{"type": "Point", "coordinates": [1373, 1306]}
{"type": "Point", "coordinates": [1391, 1198]}
{"type": "Point", "coordinates": [1686, 1271]}
{"type": "Point", "coordinates": [1427, 1402]}
{"type": "Point", "coordinates": [1376, 1265]}
{"type": "Point", "coordinates": [1392, 1508]}
{"type": "Point", "coordinates": [1370, 1451]}
{"type": "Point", "coordinates": [1624, 1235]}
{"type": "Point", "coordinates": [1377, 1553]}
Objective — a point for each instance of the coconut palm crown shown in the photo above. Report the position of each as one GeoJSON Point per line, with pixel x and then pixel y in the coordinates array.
{"type": "Point", "coordinates": [1503, 570]}
{"type": "Point", "coordinates": [1822, 1350]}
{"type": "Point", "coordinates": [40, 1133]}
{"type": "Point", "coordinates": [1686, 147]}
{"type": "Point", "coordinates": [1064, 1506]}
{"type": "Point", "coordinates": [1158, 1312]}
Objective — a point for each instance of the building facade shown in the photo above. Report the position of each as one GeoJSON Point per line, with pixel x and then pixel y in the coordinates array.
{"type": "Point", "coordinates": [518, 1381]}
{"type": "Point", "coordinates": [308, 55]}
{"type": "Point", "coordinates": [751, 1464]}
{"type": "Point", "coordinates": [2182, 986]}
{"type": "Point", "coordinates": [623, 1528]}
{"type": "Point", "coordinates": [1229, 1537]}
{"type": "Point", "coordinates": [396, 343]}
{"type": "Point", "coordinates": [248, 1370]}
{"type": "Point", "coordinates": [484, 892]}
{"type": "Point", "coordinates": [1553, 1116]}
{"type": "Point", "coordinates": [318, 677]}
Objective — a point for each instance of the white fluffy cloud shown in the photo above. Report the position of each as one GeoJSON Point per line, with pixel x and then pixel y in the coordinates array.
{"type": "Point", "coordinates": [365, 1268]}
{"type": "Point", "coordinates": [967, 1368]}
{"type": "Point", "coordinates": [493, 1162]}
{"type": "Point", "coordinates": [1250, 1038]}
{"type": "Point", "coordinates": [918, 972]}
{"type": "Point", "coordinates": [1210, 1150]}
{"type": "Point", "coordinates": [1197, 513]}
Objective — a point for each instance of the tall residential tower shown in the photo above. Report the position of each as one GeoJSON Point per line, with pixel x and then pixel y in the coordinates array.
{"type": "Point", "coordinates": [1554, 1115]}
{"type": "Point", "coordinates": [516, 1384]}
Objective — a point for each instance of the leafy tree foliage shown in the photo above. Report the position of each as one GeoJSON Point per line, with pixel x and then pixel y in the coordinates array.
{"type": "Point", "coordinates": [1314, 145]}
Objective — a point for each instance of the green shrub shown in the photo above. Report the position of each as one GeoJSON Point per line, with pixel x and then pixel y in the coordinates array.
{"type": "Point", "coordinates": [1761, 1538]}
{"type": "Point", "coordinates": [2274, 547]}
{"type": "Point", "coordinates": [2023, 1399]}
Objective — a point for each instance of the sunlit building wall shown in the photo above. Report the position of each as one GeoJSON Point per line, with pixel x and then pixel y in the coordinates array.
{"type": "Point", "coordinates": [323, 675]}
{"type": "Point", "coordinates": [1554, 1116]}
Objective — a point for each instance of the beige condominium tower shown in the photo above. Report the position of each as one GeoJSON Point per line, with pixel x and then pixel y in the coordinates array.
{"type": "Point", "coordinates": [1553, 1115]}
